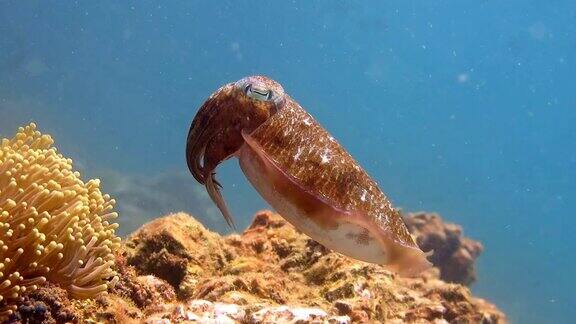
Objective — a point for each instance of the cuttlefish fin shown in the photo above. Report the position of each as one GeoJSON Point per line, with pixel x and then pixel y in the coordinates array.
{"type": "Point", "coordinates": [213, 187]}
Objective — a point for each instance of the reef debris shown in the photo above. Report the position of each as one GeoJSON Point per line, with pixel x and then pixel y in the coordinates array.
{"type": "Point", "coordinates": [54, 227]}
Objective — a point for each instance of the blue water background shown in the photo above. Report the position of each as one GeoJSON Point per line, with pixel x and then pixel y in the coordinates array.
{"type": "Point", "coordinates": [466, 108]}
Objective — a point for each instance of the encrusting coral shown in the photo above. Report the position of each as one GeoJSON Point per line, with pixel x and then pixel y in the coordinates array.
{"type": "Point", "coordinates": [53, 226]}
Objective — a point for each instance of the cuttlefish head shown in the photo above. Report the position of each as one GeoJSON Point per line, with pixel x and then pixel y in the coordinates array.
{"type": "Point", "coordinates": [216, 131]}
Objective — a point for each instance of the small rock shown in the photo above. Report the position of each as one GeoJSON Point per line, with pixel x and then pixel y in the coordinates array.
{"type": "Point", "coordinates": [454, 254]}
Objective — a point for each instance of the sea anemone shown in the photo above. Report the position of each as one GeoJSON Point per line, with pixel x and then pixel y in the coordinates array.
{"type": "Point", "coordinates": [53, 226]}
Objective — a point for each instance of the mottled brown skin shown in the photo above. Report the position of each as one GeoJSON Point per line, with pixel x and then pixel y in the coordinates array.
{"type": "Point", "coordinates": [340, 180]}
{"type": "Point", "coordinates": [314, 171]}
{"type": "Point", "coordinates": [215, 132]}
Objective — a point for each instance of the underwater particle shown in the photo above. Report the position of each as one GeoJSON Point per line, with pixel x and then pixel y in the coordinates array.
{"type": "Point", "coordinates": [35, 67]}
{"type": "Point", "coordinates": [538, 31]}
{"type": "Point", "coordinates": [53, 226]}
{"type": "Point", "coordinates": [463, 77]}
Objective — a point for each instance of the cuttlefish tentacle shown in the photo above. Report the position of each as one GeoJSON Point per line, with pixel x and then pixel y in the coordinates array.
{"type": "Point", "coordinates": [213, 188]}
{"type": "Point", "coordinates": [301, 171]}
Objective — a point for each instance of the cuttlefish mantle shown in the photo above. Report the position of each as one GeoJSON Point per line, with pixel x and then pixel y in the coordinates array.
{"type": "Point", "coordinates": [301, 171]}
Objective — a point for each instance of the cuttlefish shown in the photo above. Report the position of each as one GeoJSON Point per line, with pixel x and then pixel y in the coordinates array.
{"type": "Point", "coordinates": [301, 171]}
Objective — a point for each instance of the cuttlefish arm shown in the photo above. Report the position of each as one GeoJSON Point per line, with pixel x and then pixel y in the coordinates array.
{"type": "Point", "coordinates": [301, 171]}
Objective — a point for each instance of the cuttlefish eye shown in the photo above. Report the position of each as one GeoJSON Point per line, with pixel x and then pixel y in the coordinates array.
{"type": "Point", "coordinates": [257, 93]}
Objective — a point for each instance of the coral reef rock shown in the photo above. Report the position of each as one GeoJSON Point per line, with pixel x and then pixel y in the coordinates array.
{"type": "Point", "coordinates": [453, 254]}
{"type": "Point", "coordinates": [177, 249]}
{"type": "Point", "coordinates": [173, 270]}
{"type": "Point", "coordinates": [273, 273]}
